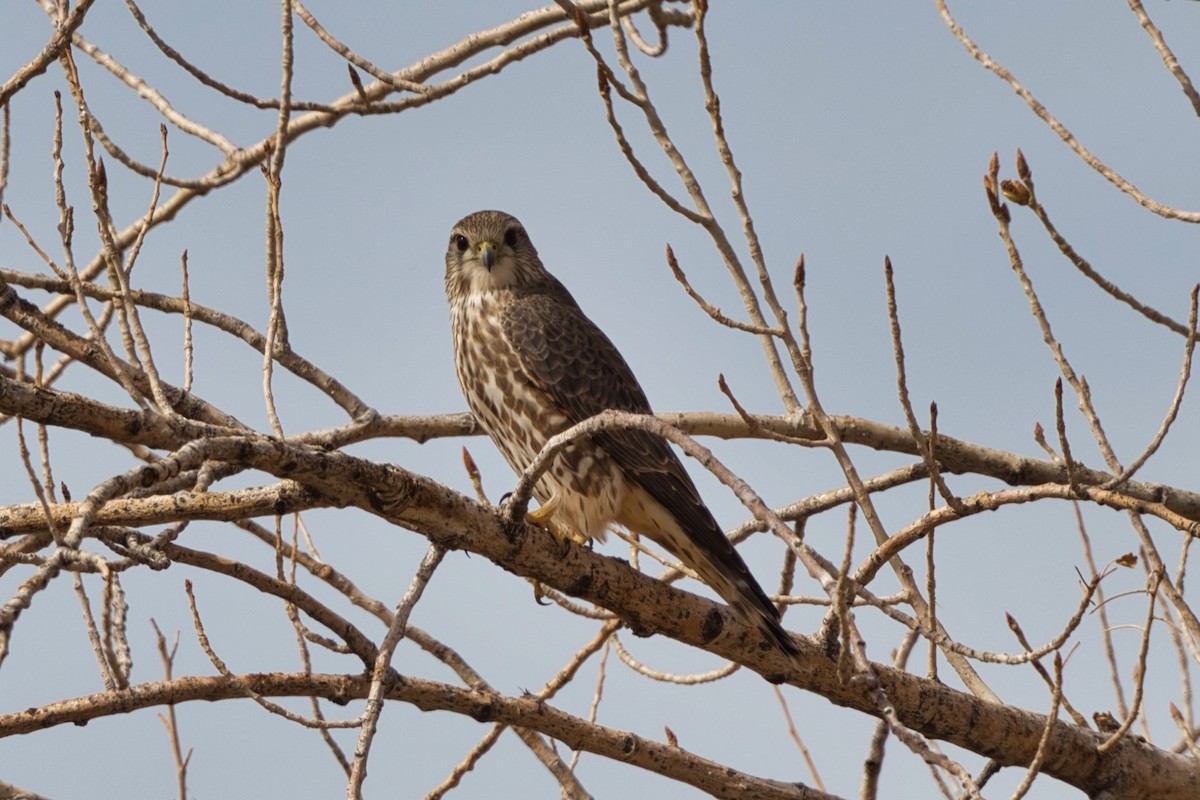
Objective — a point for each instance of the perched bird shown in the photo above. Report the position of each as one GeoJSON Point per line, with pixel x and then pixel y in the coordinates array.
{"type": "Point", "coordinates": [531, 365]}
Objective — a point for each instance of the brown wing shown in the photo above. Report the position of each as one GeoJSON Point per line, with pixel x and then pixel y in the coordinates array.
{"type": "Point", "coordinates": [563, 353]}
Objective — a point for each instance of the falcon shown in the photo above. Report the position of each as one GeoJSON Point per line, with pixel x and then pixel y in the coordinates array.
{"type": "Point", "coordinates": [531, 365]}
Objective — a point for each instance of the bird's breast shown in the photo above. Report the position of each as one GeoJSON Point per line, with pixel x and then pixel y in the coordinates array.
{"type": "Point", "coordinates": [517, 415]}
{"type": "Point", "coordinates": [520, 417]}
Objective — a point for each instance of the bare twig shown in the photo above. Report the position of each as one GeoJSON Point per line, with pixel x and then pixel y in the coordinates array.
{"type": "Point", "coordinates": [5, 142]}
{"type": "Point", "coordinates": [562, 772]}
{"type": "Point", "coordinates": [64, 29]}
{"type": "Point", "coordinates": [801, 353]}
{"type": "Point", "coordinates": [284, 355]}
{"type": "Point", "coordinates": [1139, 670]}
{"type": "Point", "coordinates": [1015, 627]}
{"type": "Point", "coordinates": [399, 84]}
{"type": "Point", "coordinates": [637, 94]}
{"type": "Point", "coordinates": [924, 446]}
{"type": "Point", "coordinates": [873, 764]}
{"type": "Point", "coordinates": [1185, 373]}
{"type": "Point", "coordinates": [246, 688]}
{"type": "Point", "coordinates": [1040, 756]}
{"type": "Point", "coordinates": [1083, 265]}
{"type": "Point", "coordinates": [188, 352]}
{"type": "Point", "coordinates": [1187, 615]}
{"type": "Point", "coordinates": [168, 719]}
{"type": "Point", "coordinates": [1189, 735]}
{"type": "Point", "coordinates": [795, 737]}
{"type": "Point", "coordinates": [1168, 56]}
{"type": "Point", "coordinates": [720, 673]}
{"type": "Point", "coordinates": [710, 309]}
{"type": "Point", "coordinates": [239, 161]}
{"type": "Point", "coordinates": [382, 668]}
{"type": "Point", "coordinates": [1061, 130]}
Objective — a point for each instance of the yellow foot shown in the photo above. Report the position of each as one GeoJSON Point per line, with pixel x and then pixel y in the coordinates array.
{"type": "Point", "coordinates": [543, 517]}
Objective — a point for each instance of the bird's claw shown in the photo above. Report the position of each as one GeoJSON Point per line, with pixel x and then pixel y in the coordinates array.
{"type": "Point", "coordinates": [543, 517]}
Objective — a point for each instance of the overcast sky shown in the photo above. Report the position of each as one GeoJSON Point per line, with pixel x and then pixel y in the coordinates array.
{"type": "Point", "coordinates": [863, 131]}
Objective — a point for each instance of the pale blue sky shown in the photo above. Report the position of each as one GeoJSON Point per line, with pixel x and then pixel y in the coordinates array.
{"type": "Point", "coordinates": [863, 130]}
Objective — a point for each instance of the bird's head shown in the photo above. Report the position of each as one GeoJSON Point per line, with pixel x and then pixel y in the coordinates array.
{"type": "Point", "coordinates": [489, 251]}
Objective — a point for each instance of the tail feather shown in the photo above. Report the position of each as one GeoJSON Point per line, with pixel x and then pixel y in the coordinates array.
{"type": "Point", "coordinates": [701, 545]}
{"type": "Point", "coordinates": [747, 598]}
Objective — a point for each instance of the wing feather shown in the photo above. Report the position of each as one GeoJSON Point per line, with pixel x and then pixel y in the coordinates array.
{"type": "Point", "coordinates": [564, 354]}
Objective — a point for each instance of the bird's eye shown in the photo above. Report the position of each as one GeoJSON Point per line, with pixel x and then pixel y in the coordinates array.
{"type": "Point", "coordinates": [460, 241]}
{"type": "Point", "coordinates": [510, 237]}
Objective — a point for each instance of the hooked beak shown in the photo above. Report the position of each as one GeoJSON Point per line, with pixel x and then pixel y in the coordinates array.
{"type": "Point", "coordinates": [487, 253]}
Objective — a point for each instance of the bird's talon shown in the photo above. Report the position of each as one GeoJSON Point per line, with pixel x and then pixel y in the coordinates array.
{"type": "Point", "coordinates": [541, 516]}
{"type": "Point", "coordinates": [564, 536]}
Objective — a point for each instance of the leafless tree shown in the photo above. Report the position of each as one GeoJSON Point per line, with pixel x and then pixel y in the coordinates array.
{"type": "Point", "coordinates": [174, 458]}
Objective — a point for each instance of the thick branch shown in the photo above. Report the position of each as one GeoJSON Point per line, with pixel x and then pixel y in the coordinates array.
{"type": "Point", "coordinates": [67, 410]}
{"type": "Point", "coordinates": [578, 734]}
{"type": "Point", "coordinates": [1008, 735]}
{"type": "Point", "coordinates": [283, 498]}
